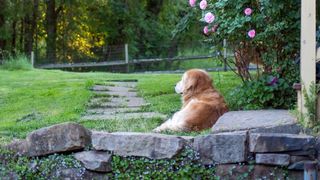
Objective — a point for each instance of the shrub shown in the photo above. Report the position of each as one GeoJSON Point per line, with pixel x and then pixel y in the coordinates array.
{"type": "Point", "coordinates": [269, 90]}
{"type": "Point", "coordinates": [18, 62]}
{"type": "Point", "coordinates": [260, 32]}
{"type": "Point", "coordinates": [310, 119]}
{"type": "Point", "coordinates": [266, 92]}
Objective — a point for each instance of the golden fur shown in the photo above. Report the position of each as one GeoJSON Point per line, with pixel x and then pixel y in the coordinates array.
{"type": "Point", "coordinates": [202, 104]}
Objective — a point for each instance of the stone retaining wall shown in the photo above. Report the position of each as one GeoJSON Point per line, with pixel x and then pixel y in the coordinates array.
{"type": "Point", "coordinates": [237, 150]}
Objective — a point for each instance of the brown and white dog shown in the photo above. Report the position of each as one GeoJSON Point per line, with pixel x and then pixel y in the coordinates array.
{"type": "Point", "coordinates": [202, 104]}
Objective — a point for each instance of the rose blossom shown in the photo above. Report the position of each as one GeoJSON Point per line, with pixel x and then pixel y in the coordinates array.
{"type": "Point", "coordinates": [203, 4]}
{"type": "Point", "coordinates": [209, 17]}
{"type": "Point", "coordinates": [248, 11]}
{"type": "Point", "coordinates": [206, 30]}
{"type": "Point", "coordinates": [252, 33]}
{"type": "Point", "coordinates": [192, 3]}
{"type": "Point", "coordinates": [214, 28]}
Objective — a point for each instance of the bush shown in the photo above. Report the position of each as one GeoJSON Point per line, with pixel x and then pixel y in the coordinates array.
{"type": "Point", "coordinates": [18, 62]}
{"type": "Point", "coordinates": [266, 92]}
{"type": "Point", "coordinates": [260, 32]}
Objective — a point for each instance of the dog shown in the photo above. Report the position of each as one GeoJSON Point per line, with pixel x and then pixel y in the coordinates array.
{"type": "Point", "coordinates": [202, 104]}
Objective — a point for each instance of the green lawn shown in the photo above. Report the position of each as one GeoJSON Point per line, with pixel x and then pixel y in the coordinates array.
{"type": "Point", "coordinates": [39, 98]}
{"type": "Point", "coordinates": [183, 65]}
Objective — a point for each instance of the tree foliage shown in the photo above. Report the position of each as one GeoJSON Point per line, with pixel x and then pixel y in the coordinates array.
{"type": "Point", "coordinates": [60, 30]}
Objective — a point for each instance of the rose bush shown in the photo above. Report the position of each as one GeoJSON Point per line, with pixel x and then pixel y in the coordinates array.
{"type": "Point", "coordinates": [262, 32]}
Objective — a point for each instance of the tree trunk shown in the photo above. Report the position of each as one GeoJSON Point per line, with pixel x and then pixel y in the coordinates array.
{"type": "Point", "coordinates": [30, 26]}
{"type": "Point", "coordinates": [2, 23]}
{"type": "Point", "coordinates": [35, 14]}
{"type": "Point", "coordinates": [21, 34]}
{"type": "Point", "coordinates": [14, 37]}
{"type": "Point", "coordinates": [27, 35]}
{"type": "Point", "coordinates": [51, 28]}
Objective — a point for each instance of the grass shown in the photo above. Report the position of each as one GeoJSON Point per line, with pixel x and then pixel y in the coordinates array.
{"type": "Point", "coordinates": [37, 98]}
{"type": "Point", "coordinates": [182, 65]}
{"type": "Point", "coordinates": [18, 62]}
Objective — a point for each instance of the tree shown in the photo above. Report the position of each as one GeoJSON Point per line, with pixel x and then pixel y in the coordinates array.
{"type": "Point", "coordinates": [51, 28]}
{"type": "Point", "coordinates": [31, 11]}
{"type": "Point", "coordinates": [2, 24]}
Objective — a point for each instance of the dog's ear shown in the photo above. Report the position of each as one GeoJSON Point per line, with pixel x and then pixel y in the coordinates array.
{"type": "Point", "coordinates": [196, 82]}
{"type": "Point", "coordinates": [190, 85]}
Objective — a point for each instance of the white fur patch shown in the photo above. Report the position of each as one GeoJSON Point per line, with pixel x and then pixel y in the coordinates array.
{"type": "Point", "coordinates": [179, 87]}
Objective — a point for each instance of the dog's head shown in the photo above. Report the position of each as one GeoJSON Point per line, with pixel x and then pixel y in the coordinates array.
{"type": "Point", "coordinates": [194, 81]}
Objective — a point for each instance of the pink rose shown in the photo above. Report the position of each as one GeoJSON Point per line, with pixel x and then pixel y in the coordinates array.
{"type": "Point", "coordinates": [252, 33]}
{"type": "Point", "coordinates": [248, 11]}
{"type": "Point", "coordinates": [209, 17]}
{"type": "Point", "coordinates": [203, 4]}
{"type": "Point", "coordinates": [214, 28]}
{"type": "Point", "coordinates": [192, 3]}
{"type": "Point", "coordinates": [206, 30]}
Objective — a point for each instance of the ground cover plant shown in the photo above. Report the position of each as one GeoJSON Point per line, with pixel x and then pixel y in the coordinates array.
{"type": "Point", "coordinates": [187, 165]}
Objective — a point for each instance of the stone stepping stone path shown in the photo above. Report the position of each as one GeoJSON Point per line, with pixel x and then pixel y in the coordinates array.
{"type": "Point", "coordinates": [118, 100]}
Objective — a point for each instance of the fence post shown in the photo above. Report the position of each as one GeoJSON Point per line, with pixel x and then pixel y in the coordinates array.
{"type": "Point", "coordinates": [32, 59]}
{"type": "Point", "coordinates": [224, 54]}
{"type": "Point", "coordinates": [126, 50]}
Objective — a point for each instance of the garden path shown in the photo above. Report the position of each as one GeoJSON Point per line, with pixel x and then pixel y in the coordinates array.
{"type": "Point", "coordinates": [118, 100]}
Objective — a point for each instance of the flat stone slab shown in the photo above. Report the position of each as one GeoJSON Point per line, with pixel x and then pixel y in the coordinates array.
{"type": "Point", "coordinates": [95, 160]}
{"type": "Point", "coordinates": [131, 84]}
{"type": "Point", "coordinates": [154, 146]}
{"type": "Point", "coordinates": [124, 116]}
{"type": "Point", "coordinates": [112, 110]}
{"type": "Point", "coordinates": [276, 121]}
{"type": "Point", "coordinates": [100, 88]}
{"type": "Point", "coordinates": [124, 102]}
{"type": "Point", "coordinates": [273, 159]}
{"type": "Point", "coordinates": [229, 147]}
{"type": "Point", "coordinates": [120, 89]}
{"type": "Point", "coordinates": [276, 142]}
{"type": "Point", "coordinates": [121, 94]}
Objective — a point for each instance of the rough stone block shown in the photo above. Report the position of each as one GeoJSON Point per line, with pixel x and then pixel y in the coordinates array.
{"type": "Point", "coordinates": [295, 159]}
{"type": "Point", "coordinates": [95, 160]}
{"type": "Point", "coordinates": [274, 142]}
{"type": "Point", "coordinates": [273, 159]}
{"type": "Point", "coordinates": [18, 146]}
{"type": "Point", "coordinates": [154, 146]}
{"type": "Point", "coordinates": [222, 148]}
{"type": "Point", "coordinates": [235, 171]}
{"type": "Point", "coordinates": [311, 153]}
{"type": "Point", "coordinates": [77, 173]}
{"type": "Point", "coordinates": [58, 138]}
